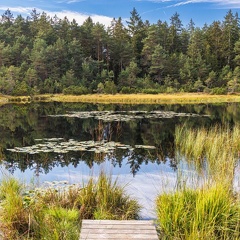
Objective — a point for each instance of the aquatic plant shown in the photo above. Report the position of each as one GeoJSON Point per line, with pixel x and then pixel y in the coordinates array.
{"type": "Point", "coordinates": [215, 149]}
{"type": "Point", "coordinates": [212, 209]}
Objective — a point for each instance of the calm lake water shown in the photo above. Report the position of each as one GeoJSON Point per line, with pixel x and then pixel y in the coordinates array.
{"type": "Point", "coordinates": [72, 141]}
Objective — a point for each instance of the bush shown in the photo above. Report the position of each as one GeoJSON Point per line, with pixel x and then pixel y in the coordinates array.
{"type": "Point", "coordinates": [127, 90]}
{"type": "Point", "coordinates": [150, 91]}
{"type": "Point", "coordinates": [218, 91]}
{"type": "Point", "coordinates": [75, 90]}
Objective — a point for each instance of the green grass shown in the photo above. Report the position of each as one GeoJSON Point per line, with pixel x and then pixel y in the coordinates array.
{"type": "Point", "coordinates": [218, 147]}
{"type": "Point", "coordinates": [212, 209]}
{"type": "Point", "coordinates": [54, 213]}
{"type": "Point", "coordinates": [211, 212]}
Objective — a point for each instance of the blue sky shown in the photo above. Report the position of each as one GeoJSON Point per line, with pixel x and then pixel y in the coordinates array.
{"type": "Point", "coordinates": [103, 11]}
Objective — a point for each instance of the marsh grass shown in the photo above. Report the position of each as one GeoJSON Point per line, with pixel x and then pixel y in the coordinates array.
{"type": "Point", "coordinates": [56, 213]}
{"type": "Point", "coordinates": [212, 212]}
{"type": "Point", "coordinates": [130, 98]}
{"type": "Point", "coordinates": [105, 199]}
{"type": "Point", "coordinates": [218, 147]}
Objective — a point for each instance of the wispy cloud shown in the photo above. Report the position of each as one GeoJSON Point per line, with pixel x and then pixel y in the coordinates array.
{"type": "Point", "coordinates": [70, 1]}
{"type": "Point", "coordinates": [79, 17]}
{"type": "Point", "coordinates": [176, 3]}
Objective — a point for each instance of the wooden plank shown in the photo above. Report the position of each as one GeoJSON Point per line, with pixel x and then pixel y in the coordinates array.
{"type": "Point", "coordinates": [119, 236]}
{"type": "Point", "coordinates": [118, 230]}
{"type": "Point", "coordinates": [112, 231]}
{"type": "Point", "coordinates": [117, 226]}
{"type": "Point", "coordinates": [118, 222]}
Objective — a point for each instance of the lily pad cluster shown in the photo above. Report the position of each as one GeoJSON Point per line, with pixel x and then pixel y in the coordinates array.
{"type": "Point", "coordinates": [58, 145]}
{"type": "Point", "coordinates": [110, 116]}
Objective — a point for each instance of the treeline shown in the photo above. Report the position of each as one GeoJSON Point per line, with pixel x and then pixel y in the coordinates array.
{"type": "Point", "coordinates": [43, 54]}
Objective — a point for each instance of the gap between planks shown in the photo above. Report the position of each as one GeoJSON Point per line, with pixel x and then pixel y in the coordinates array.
{"type": "Point", "coordinates": [118, 230]}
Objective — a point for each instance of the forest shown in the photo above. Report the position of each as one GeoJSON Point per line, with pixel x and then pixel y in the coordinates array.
{"type": "Point", "coordinates": [42, 54]}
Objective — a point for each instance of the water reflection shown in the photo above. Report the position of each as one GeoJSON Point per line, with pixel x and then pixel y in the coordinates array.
{"type": "Point", "coordinates": [21, 125]}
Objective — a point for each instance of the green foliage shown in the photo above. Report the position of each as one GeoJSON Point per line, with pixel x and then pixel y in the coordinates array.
{"type": "Point", "coordinates": [21, 89]}
{"type": "Point", "coordinates": [52, 54]}
{"type": "Point", "coordinates": [59, 223]}
{"type": "Point", "coordinates": [218, 90]}
{"type": "Point", "coordinates": [128, 90]}
{"type": "Point", "coordinates": [150, 91]}
{"type": "Point", "coordinates": [110, 87]}
{"type": "Point", "coordinates": [75, 90]}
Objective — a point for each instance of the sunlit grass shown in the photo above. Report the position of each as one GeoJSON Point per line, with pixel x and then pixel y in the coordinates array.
{"type": "Point", "coordinates": [211, 212]}
{"type": "Point", "coordinates": [56, 213]}
{"type": "Point", "coordinates": [184, 98]}
{"type": "Point", "coordinates": [218, 147]}
{"type": "Point", "coordinates": [212, 209]}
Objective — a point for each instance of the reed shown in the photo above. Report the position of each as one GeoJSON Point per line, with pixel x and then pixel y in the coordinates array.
{"type": "Point", "coordinates": [218, 147]}
{"type": "Point", "coordinates": [14, 217]}
{"type": "Point", "coordinates": [56, 213]}
{"type": "Point", "coordinates": [212, 212]}
{"type": "Point", "coordinates": [104, 199]}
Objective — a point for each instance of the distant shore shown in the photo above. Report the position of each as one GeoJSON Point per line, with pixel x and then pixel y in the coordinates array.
{"type": "Point", "coordinates": [178, 98]}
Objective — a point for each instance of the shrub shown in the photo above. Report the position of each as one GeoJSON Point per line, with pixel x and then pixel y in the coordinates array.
{"type": "Point", "coordinates": [75, 90]}
{"type": "Point", "coordinates": [127, 90]}
{"type": "Point", "coordinates": [150, 91]}
{"type": "Point", "coordinates": [218, 91]}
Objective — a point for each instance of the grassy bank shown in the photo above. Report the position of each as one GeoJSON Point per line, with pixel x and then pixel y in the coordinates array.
{"type": "Point", "coordinates": [212, 211]}
{"type": "Point", "coordinates": [56, 213]}
{"type": "Point", "coordinates": [183, 98]}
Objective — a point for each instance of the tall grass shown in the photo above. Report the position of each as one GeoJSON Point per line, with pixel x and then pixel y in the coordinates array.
{"type": "Point", "coordinates": [106, 200]}
{"type": "Point", "coordinates": [212, 211]}
{"type": "Point", "coordinates": [218, 148]}
{"type": "Point", "coordinates": [53, 213]}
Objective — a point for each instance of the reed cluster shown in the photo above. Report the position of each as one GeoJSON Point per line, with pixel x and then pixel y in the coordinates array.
{"type": "Point", "coordinates": [216, 150]}
{"type": "Point", "coordinates": [211, 212]}
{"type": "Point", "coordinates": [56, 213]}
{"type": "Point", "coordinates": [212, 209]}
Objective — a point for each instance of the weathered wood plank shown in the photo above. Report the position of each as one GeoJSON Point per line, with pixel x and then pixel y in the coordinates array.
{"type": "Point", "coordinates": [119, 236]}
{"type": "Point", "coordinates": [118, 230]}
{"type": "Point", "coordinates": [118, 222]}
{"type": "Point", "coordinates": [147, 227]}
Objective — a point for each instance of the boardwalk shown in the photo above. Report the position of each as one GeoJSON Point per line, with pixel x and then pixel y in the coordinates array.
{"type": "Point", "coordinates": [114, 229]}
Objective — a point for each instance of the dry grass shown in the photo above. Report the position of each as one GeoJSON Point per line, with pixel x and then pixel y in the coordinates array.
{"type": "Point", "coordinates": [183, 98]}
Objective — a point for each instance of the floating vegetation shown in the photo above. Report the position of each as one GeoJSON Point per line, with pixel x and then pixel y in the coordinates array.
{"type": "Point", "coordinates": [124, 116]}
{"type": "Point", "coordinates": [59, 146]}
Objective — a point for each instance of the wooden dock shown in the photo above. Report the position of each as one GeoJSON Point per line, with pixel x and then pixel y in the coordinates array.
{"type": "Point", "coordinates": [118, 229]}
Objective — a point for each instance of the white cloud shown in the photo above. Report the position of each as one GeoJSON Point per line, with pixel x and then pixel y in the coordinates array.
{"type": "Point", "coordinates": [79, 17]}
{"type": "Point", "coordinates": [226, 3]}
{"type": "Point", "coordinates": [175, 3]}
{"type": "Point", "coordinates": [70, 1]}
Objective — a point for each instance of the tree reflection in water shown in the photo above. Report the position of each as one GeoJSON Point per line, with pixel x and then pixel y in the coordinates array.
{"type": "Point", "coordinates": [21, 125]}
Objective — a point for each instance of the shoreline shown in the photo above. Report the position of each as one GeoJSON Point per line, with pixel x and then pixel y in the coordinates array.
{"type": "Point", "coordinates": [178, 98]}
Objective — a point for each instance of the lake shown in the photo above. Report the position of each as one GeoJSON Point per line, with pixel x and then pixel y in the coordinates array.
{"type": "Point", "coordinates": [43, 142]}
